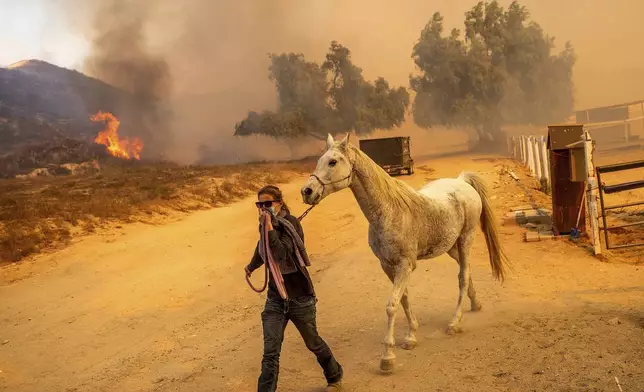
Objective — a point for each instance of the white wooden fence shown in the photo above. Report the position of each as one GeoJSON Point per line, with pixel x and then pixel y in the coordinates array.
{"type": "Point", "coordinates": [533, 152]}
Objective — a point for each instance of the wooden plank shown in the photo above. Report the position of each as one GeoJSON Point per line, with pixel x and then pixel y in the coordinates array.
{"type": "Point", "coordinates": [538, 217]}
{"type": "Point", "coordinates": [521, 208]}
{"type": "Point", "coordinates": [533, 236]}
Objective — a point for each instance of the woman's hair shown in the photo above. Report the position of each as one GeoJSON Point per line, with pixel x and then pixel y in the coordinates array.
{"type": "Point", "coordinates": [274, 191]}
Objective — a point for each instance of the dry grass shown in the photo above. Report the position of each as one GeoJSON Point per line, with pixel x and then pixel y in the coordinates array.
{"type": "Point", "coordinates": [41, 213]}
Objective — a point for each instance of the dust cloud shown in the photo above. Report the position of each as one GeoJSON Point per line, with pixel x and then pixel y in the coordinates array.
{"type": "Point", "coordinates": [216, 55]}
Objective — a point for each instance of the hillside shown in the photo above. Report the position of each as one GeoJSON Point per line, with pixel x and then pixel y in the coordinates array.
{"type": "Point", "coordinates": [36, 89]}
{"type": "Point", "coordinates": [44, 115]}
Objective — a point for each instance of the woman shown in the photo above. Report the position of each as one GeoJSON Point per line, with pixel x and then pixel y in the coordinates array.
{"type": "Point", "coordinates": [291, 295]}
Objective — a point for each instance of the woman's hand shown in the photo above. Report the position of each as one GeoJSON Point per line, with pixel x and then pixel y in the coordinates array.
{"type": "Point", "coordinates": [269, 219]}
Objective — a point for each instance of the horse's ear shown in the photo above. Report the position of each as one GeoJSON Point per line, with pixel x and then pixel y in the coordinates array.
{"type": "Point", "coordinates": [329, 141]}
{"type": "Point", "coordinates": [345, 142]}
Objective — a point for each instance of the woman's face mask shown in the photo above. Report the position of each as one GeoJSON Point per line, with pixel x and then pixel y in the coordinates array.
{"type": "Point", "coordinates": [269, 204]}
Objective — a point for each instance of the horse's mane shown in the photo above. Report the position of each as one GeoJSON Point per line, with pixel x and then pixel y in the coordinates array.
{"type": "Point", "coordinates": [396, 192]}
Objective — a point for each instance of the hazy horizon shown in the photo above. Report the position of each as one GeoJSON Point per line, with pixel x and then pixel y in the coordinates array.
{"type": "Point", "coordinates": [218, 50]}
{"type": "Point", "coordinates": [608, 69]}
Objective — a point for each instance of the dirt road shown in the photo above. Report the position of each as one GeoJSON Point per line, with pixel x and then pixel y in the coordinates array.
{"type": "Point", "coordinates": [166, 308]}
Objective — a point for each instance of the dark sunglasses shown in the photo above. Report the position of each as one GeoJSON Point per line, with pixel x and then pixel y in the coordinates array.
{"type": "Point", "coordinates": [265, 204]}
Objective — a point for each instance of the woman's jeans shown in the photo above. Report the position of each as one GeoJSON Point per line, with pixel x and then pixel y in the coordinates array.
{"type": "Point", "coordinates": [301, 311]}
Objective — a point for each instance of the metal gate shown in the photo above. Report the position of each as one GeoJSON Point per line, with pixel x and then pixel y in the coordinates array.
{"type": "Point", "coordinates": [616, 188]}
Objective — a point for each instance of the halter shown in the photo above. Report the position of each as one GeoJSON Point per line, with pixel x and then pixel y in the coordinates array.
{"type": "Point", "coordinates": [348, 177]}
{"type": "Point", "coordinates": [333, 182]}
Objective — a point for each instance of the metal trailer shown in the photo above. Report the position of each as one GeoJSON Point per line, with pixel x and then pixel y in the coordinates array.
{"type": "Point", "coordinates": [393, 154]}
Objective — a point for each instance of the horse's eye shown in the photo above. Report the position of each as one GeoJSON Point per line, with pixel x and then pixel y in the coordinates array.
{"type": "Point", "coordinates": [332, 162]}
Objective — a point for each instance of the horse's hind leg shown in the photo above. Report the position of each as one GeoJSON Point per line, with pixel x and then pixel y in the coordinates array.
{"type": "Point", "coordinates": [464, 244]}
{"type": "Point", "coordinates": [474, 302]}
{"type": "Point", "coordinates": [471, 292]}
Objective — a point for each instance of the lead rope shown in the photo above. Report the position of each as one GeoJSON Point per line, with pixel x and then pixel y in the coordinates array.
{"type": "Point", "coordinates": [261, 290]}
{"type": "Point", "coordinates": [305, 213]}
{"type": "Point", "coordinates": [265, 280]}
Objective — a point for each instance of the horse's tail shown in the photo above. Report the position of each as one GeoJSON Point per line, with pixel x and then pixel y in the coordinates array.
{"type": "Point", "coordinates": [489, 225]}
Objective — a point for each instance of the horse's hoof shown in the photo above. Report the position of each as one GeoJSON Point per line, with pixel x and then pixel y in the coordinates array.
{"type": "Point", "coordinates": [453, 330]}
{"type": "Point", "coordinates": [476, 307]}
{"type": "Point", "coordinates": [387, 364]}
{"type": "Point", "coordinates": [409, 345]}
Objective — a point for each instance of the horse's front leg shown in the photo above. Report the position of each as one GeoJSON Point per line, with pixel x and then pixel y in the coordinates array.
{"type": "Point", "coordinates": [410, 338]}
{"type": "Point", "coordinates": [401, 275]}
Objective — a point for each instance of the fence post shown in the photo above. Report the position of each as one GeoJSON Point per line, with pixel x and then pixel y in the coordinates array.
{"type": "Point", "coordinates": [523, 151]}
{"type": "Point", "coordinates": [592, 192]}
{"type": "Point", "coordinates": [537, 158]}
{"type": "Point", "coordinates": [531, 155]}
{"type": "Point", "coordinates": [513, 147]}
{"type": "Point", "coordinates": [543, 162]}
{"type": "Point", "coordinates": [527, 151]}
{"type": "Point", "coordinates": [543, 149]}
{"type": "Point", "coordinates": [510, 146]}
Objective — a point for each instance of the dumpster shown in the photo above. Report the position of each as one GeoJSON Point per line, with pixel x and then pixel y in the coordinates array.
{"type": "Point", "coordinates": [567, 177]}
{"type": "Point", "coordinates": [393, 154]}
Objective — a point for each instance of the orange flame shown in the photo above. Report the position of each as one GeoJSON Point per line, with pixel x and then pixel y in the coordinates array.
{"type": "Point", "coordinates": [121, 148]}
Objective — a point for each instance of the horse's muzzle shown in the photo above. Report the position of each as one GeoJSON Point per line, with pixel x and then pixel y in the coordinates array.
{"type": "Point", "coordinates": [308, 196]}
{"type": "Point", "coordinates": [311, 195]}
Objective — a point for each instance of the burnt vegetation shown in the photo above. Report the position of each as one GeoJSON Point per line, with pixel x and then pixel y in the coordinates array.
{"type": "Point", "coordinates": [44, 212]}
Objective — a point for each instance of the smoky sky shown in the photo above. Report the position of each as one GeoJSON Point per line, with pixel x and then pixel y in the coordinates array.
{"type": "Point", "coordinates": [120, 55]}
{"type": "Point", "coordinates": [208, 59]}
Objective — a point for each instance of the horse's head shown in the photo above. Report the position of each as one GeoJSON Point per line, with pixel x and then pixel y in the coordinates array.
{"type": "Point", "coordinates": [333, 172]}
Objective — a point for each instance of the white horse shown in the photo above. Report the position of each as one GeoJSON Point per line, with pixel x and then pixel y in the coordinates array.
{"type": "Point", "coordinates": [406, 225]}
